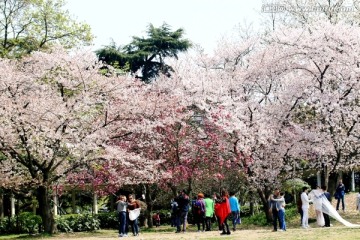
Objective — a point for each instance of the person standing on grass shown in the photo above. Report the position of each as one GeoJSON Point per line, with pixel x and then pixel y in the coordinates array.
{"type": "Point", "coordinates": [199, 211]}
{"type": "Point", "coordinates": [281, 210]}
{"type": "Point", "coordinates": [235, 209]}
{"type": "Point", "coordinates": [358, 201]}
{"type": "Point", "coordinates": [222, 210]}
{"type": "Point", "coordinates": [132, 205]}
{"type": "Point", "coordinates": [340, 195]}
{"type": "Point", "coordinates": [174, 210]}
{"type": "Point", "coordinates": [274, 209]}
{"type": "Point", "coordinates": [328, 197]}
{"type": "Point", "coordinates": [209, 211]}
{"type": "Point", "coordinates": [121, 209]}
{"type": "Point", "coordinates": [317, 196]}
{"type": "Point", "coordinates": [305, 207]}
{"type": "Point", "coordinates": [182, 212]}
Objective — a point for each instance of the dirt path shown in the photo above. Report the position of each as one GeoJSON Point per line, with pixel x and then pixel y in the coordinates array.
{"type": "Point", "coordinates": [342, 233]}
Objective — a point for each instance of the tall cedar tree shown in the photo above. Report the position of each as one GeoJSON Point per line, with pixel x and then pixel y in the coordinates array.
{"type": "Point", "coordinates": [147, 54]}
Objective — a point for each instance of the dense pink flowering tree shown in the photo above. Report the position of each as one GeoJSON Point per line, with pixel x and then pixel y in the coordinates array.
{"type": "Point", "coordinates": [289, 97]}
{"type": "Point", "coordinates": [58, 117]}
{"type": "Point", "coordinates": [320, 67]}
{"type": "Point", "coordinates": [194, 152]}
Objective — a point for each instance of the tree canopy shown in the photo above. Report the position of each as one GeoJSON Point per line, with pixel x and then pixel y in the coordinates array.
{"type": "Point", "coordinates": [147, 54]}
{"type": "Point", "coordinates": [30, 25]}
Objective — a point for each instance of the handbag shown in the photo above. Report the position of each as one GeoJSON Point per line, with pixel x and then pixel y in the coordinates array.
{"type": "Point", "coordinates": [134, 214]}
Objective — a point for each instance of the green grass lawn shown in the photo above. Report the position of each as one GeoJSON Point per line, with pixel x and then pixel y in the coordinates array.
{"type": "Point", "coordinates": [165, 232]}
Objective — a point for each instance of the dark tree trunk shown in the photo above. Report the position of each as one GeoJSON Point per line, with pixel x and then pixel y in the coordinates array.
{"type": "Point", "coordinates": [189, 187]}
{"type": "Point", "coordinates": [1, 205]}
{"type": "Point", "coordinates": [112, 201]}
{"type": "Point", "coordinates": [333, 178]}
{"type": "Point", "coordinates": [150, 191]}
{"type": "Point", "coordinates": [265, 205]}
{"type": "Point", "coordinates": [150, 205]}
{"type": "Point", "coordinates": [252, 204]}
{"type": "Point", "coordinates": [73, 201]}
{"type": "Point", "coordinates": [174, 190]}
{"type": "Point", "coordinates": [46, 214]}
{"type": "Point", "coordinates": [252, 212]}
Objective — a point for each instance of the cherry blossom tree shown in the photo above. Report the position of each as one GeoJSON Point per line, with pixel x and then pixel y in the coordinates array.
{"type": "Point", "coordinates": [302, 13]}
{"type": "Point", "coordinates": [325, 59]}
{"type": "Point", "coordinates": [281, 99]}
{"type": "Point", "coordinates": [219, 86]}
{"type": "Point", "coordinates": [59, 115]}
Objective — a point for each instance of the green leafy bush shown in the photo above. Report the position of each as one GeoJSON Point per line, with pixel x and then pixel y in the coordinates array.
{"type": "Point", "coordinates": [108, 220]}
{"type": "Point", "coordinates": [62, 224]}
{"type": "Point", "coordinates": [30, 222]}
{"type": "Point", "coordinates": [78, 223]}
{"type": "Point", "coordinates": [8, 225]}
{"type": "Point", "coordinates": [25, 222]}
{"type": "Point", "coordinates": [258, 219]}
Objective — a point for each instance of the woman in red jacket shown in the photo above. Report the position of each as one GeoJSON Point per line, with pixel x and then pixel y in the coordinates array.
{"type": "Point", "coordinates": [222, 211]}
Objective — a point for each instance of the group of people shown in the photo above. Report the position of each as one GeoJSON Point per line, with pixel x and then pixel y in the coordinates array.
{"type": "Point", "coordinates": [128, 213]}
{"type": "Point", "coordinates": [204, 209]}
{"type": "Point", "coordinates": [319, 197]}
{"type": "Point", "coordinates": [321, 200]}
{"type": "Point", "coordinates": [226, 207]}
{"type": "Point", "coordinates": [277, 209]}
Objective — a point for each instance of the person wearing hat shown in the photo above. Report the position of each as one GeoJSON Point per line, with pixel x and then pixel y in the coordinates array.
{"type": "Point", "coordinates": [199, 211]}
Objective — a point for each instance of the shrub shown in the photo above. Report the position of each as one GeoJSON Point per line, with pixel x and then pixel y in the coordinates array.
{"type": "Point", "coordinates": [8, 225]}
{"type": "Point", "coordinates": [258, 219]}
{"type": "Point", "coordinates": [108, 220]}
{"type": "Point", "coordinates": [25, 222]}
{"type": "Point", "coordinates": [62, 224]}
{"type": "Point", "coordinates": [78, 223]}
{"type": "Point", "coordinates": [30, 222]}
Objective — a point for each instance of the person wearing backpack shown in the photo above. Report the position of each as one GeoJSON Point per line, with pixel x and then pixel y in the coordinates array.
{"type": "Point", "coordinates": [182, 211]}
{"type": "Point", "coordinates": [199, 211]}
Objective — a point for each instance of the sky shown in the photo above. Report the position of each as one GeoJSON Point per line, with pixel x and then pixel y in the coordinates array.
{"type": "Point", "coordinates": [204, 21]}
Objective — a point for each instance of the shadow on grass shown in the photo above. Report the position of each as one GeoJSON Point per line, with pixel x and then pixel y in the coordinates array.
{"type": "Point", "coordinates": [24, 236]}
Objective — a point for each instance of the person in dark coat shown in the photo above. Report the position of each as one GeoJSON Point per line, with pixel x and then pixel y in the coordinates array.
{"type": "Point", "coordinates": [340, 195]}
{"type": "Point", "coordinates": [328, 197]}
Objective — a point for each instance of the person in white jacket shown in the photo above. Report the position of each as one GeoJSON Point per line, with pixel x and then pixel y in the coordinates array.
{"type": "Point", "coordinates": [305, 207]}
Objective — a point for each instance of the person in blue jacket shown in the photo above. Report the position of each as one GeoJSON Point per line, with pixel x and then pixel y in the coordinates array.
{"type": "Point", "coordinates": [340, 195]}
{"type": "Point", "coordinates": [235, 210]}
